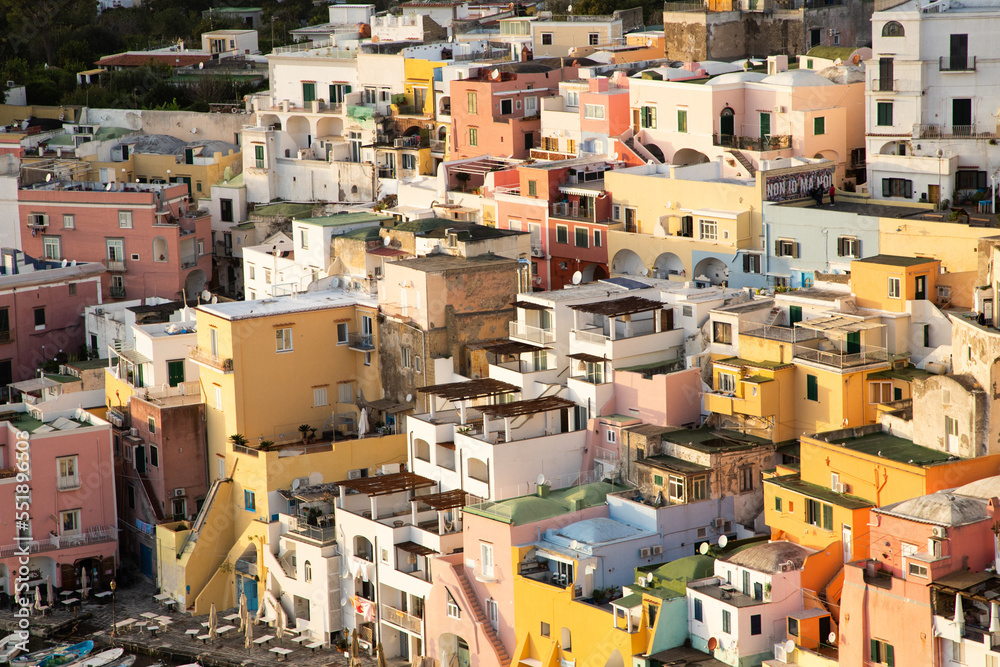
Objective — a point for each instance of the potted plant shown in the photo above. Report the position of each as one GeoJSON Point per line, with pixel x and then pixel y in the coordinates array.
{"type": "Point", "coordinates": [238, 440]}
{"type": "Point", "coordinates": [304, 430]}
{"type": "Point", "coordinates": [266, 445]}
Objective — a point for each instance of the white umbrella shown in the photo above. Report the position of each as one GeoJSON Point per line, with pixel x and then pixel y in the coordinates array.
{"type": "Point", "coordinates": [279, 629]}
{"type": "Point", "coordinates": [244, 612]}
{"type": "Point", "coordinates": [83, 583]}
{"type": "Point", "coordinates": [38, 598]}
{"type": "Point", "coordinates": [213, 623]}
{"type": "Point", "coordinates": [260, 612]}
{"type": "Point", "coordinates": [49, 591]}
{"type": "Point", "coordinates": [248, 642]}
{"type": "Point", "coordinates": [363, 423]}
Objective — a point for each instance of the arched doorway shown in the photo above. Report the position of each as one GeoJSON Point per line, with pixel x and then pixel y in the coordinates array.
{"type": "Point", "coordinates": [454, 651]}
{"type": "Point", "coordinates": [655, 151]}
{"type": "Point", "coordinates": [363, 548]}
{"type": "Point", "coordinates": [592, 272]}
{"type": "Point", "coordinates": [711, 269]}
{"type": "Point", "coordinates": [668, 264]}
{"type": "Point", "coordinates": [727, 126]}
{"type": "Point", "coordinates": [195, 282]}
{"type": "Point", "coordinates": [628, 263]}
{"type": "Point", "coordinates": [270, 120]}
{"type": "Point", "coordinates": [686, 156]}
{"type": "Point", "coordinates": [298, 128]}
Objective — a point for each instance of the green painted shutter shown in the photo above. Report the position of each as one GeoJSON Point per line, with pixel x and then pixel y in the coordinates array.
{"type": "Point", "coordinates": [890, 655]}
{"type": "Point", "coordinates": [874, 656]}
{"type": "Point", "coordinates": [828, 517]}
{"type": "Point", "coordinates": [812, 388]}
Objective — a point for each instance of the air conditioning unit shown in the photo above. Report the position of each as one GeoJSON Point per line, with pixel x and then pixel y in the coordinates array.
{"type": "Point", "coordinates": [178, 493]}
{"type": "Point", "coordinates": [939, 531]}
{"type": "Point", "coordinates": [780, 654]}
{"type": "Point", "coordinates": [134, 432]}
{"type": "Point", "coordinates": [657, 549]}
{"type": "Point", "coordinates": [537, 252]}
{"type": "Point", "coordinates": [842, 488]}
{"type": "Point", "coordinates": [718, 523]}
{"type": "Point", "coordinates": [779, 109]}
{"type": "Point", "coordinates": [354, 474]}
{"type": "Point", "coordinates": [644, 552]}
{"type": "Point", "coordinates": [11, 84]}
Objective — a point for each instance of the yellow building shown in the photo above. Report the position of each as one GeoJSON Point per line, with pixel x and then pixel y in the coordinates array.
{"type": "Point", "coordinates": [286, 376]}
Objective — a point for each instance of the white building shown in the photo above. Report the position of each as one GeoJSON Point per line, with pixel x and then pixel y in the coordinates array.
{"type": "Point", "coordinates": [111, 324]}
{"type": "Point", "coordinates": [739, 614]}
{"type": "Point", "coordinates": [229, 43]}
{"type": "Point", "coordinates": [157, 359]}
{"type": "Point", "coordinates": [931, 100]}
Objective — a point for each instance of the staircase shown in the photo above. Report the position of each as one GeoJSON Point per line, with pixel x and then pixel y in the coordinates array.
{"type": "Point", "coordinates": [773, 317]}
{"type": "Point", "coordinates": [147, 490]}
{"type": "Point", "coordinates": [743, 160]}
{"type": "Point", "coordinates": [480, 616]}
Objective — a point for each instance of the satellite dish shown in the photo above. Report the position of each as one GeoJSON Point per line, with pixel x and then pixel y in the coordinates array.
{"type": "Point", "coordinates": [48, 177]}
{"type": "Point", "coordinates": [295, 484]}
{"type": "Point", "coordinates": [723, 541]}
{"type": "Point", "coordinates": [215, 299]}
{"type": "Point", "coordinates": [409, 397]}
{"type": "Point", "coordinates": [343, 602]}
{"type": "Point", "coordinates": [789, 646]}
{"type": "Point", "coordinates": [832, 637]}
{"type": "Point", "coordinates": [65, 263]}
{"type": "Point", "coordinates": [644, 272]}
{"type": "Point", "coordinates": [206, 295]}
{"type": "Point", "coordinates": [713, 644]}
{"type": "Point", "coordinates": [703, 549]}
{"type": "Point", "coordinates": [386, 241]}
{"type": "Point", "coordinates": [495, 74]}
{"type": "Point", "coordinates": [577, 277]}
{"type": "Point", "coordinates": [335, 282]}
{"type": "Point", "coordinates": [574, 545]}
{"type": "Point", "coordinates": [541, 478]}
{"type": "Point", "coordinates": [108, 187]}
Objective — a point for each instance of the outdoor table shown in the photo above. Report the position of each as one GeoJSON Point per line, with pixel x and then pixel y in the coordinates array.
{"type": "Point", "coordinates": [314, 646]}
{"type": "Point", "coordinates": [265, 639]}
{"type": "Point", "coordinates": [283, 652]}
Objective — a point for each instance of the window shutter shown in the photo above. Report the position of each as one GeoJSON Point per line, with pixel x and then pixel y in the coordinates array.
{"type": "Point", "coordinates": [857, 247]}
{"type": "Point", "coordinates": [840, 246]}
{"type": "Point", "coordinates": [795, 250]}
{"type": "Point", "coordinates": [886, 188]}
{"type": "Point", "coordinates": [874, 657]}
{"type": "Point", "coordinates": [890, 655]}
{"type": "Point", "coordinates": [908, 189]}
{"type": "Point", "coordinates": [746, 263]}
{"type": "Point", "coordinates": [777, 248]}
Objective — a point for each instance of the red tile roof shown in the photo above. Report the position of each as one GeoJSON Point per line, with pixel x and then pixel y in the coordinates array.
{"type": "Point", "coordinates": [140, 59]}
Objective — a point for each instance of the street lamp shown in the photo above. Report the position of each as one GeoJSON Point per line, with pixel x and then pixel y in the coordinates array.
{"type": "Point", "coordinates": [114, 609]}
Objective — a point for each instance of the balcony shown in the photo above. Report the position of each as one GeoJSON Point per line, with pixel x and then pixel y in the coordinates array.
{"type": "Point", "coordinates": [776, 332]}
{"type": "Point", "coordinates": [957, 64]}
{"type": "Point", "coordinates": [772, 142]}
{"type": "Point", "coordinates": [200, 356]}
{"type": "Point", "coordinates": [931, 131]}
{"type": "Point", "coordinates": [189, 262]}
{"type": "Point", "coordinates": [573, 211]}
{"type": "Point", "coordinates": [879, 85]}
{"type": "Point", "coordinates": [841, 359]}
{"type": "Point", "coordinates": [116, 265]}
{"type": "Point", "coordinates": [530, 334]}
{"type": "Point", "coordinates": [542, 154]}
{"type": "Point", "coordinates": [362, 342]}
{"type": "Point", "coordinates": [116, 291]}
{"type": "Point", "coordinates": [95, 535]}
{"type": "Point", "coordinates": [384, 172]}
{"type": "Point", "coordinates": [437, 146]}
{"type": "Point", "coordinates": [402, 620]}
{"type": "Point", "coordinates": [68, 482]}
{"type": "Point", "coordinates": [323, 534]}
{"type": "Point", "coordinates": [6, 337]}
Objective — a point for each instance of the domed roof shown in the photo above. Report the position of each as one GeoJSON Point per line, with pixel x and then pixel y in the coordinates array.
{"type": "Point", "coordinates": [771, 556]}
{"type": "Point", "coordinates": [986, 488]}
{"type": "Point", "coordinates": [797, 77]}
{"type": "Point", "coordinates": [843, 74]}
{"type": "Point", "coordinates": [736, 77]}
{"type": "Point", "coordinates": [714, 67]}
{"type": "Point", "coordinates": [598, 531]}
{"type": "Point", "coordinates": [946, 509]}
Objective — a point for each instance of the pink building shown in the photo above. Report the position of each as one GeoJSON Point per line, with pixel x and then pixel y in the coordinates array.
{"type": "Point", "coordinates": [149, 238]}
{"type": "Point", "coordinates": [41, 307]}
{"type": "Point", "coordinates": [588, 116]}
{"type": "Point", "coordinates": [497, 111]}
{"type": "Point", "coordinates": [474, 590]}
{"type": "Point", "coordinates": [885, 613]}
{"type": "Point", "coordinates": [71, 510]}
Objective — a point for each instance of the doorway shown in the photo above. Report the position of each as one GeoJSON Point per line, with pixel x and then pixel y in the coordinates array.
{"type": "Point", "coordinates": [920, 288]}
{"type": "Point", "coordinates": [854, 342]}
{"type": "Point", "coordinates": [846, 538]}
{"type": "Point", "coordinates": [727, 125]}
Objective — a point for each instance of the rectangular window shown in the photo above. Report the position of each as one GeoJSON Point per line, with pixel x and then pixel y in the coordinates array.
{"type": "Point", "coordinates": [218, 398]}
{"type": "Point", "coordinates": [682, 120]}
{"type": "Point", "coordinates": [532, 188]}
{"type": "Point", "coordinates": [69, 477]}
{"type": "Point", "coordinates": [751, 263]}
{"type": "Point", "coordinates": [342, 333]}
{"type": "Point", "coordinates": [883, 113]}
{"type": "Point", "coordinates": [69, 221]}
{"type": "Point", "coordinates": [69, 522]}
{"type": "Point", "coordinates": [345, 392]}
{"type": "Point", "coordinates": [727, 622]}
{"type": "Point", "coordinates": [151, 423]}
{"type": "Point", "coordinates": [582, 237]}
{"type": "Point", "coordinates": [593, 111]}
{"type": "Point", "coordinates": [546, 39]}
{"type": "Point", "coordinates": [283, 340]}
{"type": "Point", "coordinates": [409, 161]}
{"type": "Point", "coordinates": [472, 102]}
{"type": "Point", "coordinates": [950, 425]}
{"type": "Point", "coordinates": [755, 627]}
{"type": "Point", "coordinates": [258, 153]}
{"type": "Point", "coordinates": [130, 494]}
{"type": "Point", "coordinates": [699, 488]}
{"type": "Point", "coordinates": [897, 187]}
{"type": "Point", "coordinates": [125, 219]}
{"type": "Point", "coordinates": [968, 179]}
{"type": "Point", "coordinates": [812, 388]}
{"type": "Point", "coordinates": [894, 288]}
{"type": "Point", "coordinates": [786, 248]}
{"type": "Point", "coordinates": [319, 397]}
{"type": "Point", "coordinates": [308, 92]}
{"type": "Point", "coordinates": [777, 504]}
{"type": "Point", "coordinates": [722, 332]}
{"type": "Point", "coordinates": [675, 489]}
{"type": "Point", "coordinates": [727, 383]}
{"type": "Point", "coordinates": [647, 118]}
{"type": "Point", "coordinates": [746, 480]}
{"type": "Point", "coordinates": [154, 456]}
{"type": "Point", "coordinates": [473, 136]}
{"type": "Point", "coordinates": [918, 569]}
{"type": "Point", "coordinates": [506, 107]}
{"type": "Point", "coordinates": [52, 247]}
{"type": "Point", "coordinates": [819, 125]}
{"type": "Point", "coordinates": [699, 612]}
{"type": "Point", "coordinates": [597, 238]}
{"type": "Point", "coordinates": [562, 234]}
{"type": "Point", "coordinates": [882, 653]}
{"type": "Point", "coordinates": [879, 392]}
{"type": "Point", "coordinates": [453, 609]}
{"type": "Point", "coordinates": [593, 38]}
{"type": "Point", "coordinates": [708, 230]}
{"type": "Point", "coordinates": [39, 318]}
{"type": "Point", "coordinates": [249, 501]}
{"type": "Point", "coordinates": [304, 239]}
{"type": "Point", "coordinates": [819, 514]}
{"type": "Point", "coordinates": [545, 630]}
{"type": "Point", "coordinates": [848, 246]}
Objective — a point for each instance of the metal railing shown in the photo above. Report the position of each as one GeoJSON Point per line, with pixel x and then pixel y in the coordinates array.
{"type": "Point", "coordinates": [530, 333]}
{"type": "Point", "coordinates": [596, 335]}
{"type": "Point", "coordinates": [117, 265]}
{"type": "Point", "coordinates": [842, 359]}
{"type": "Point", "coordinates": [94, 535]}
{"type": "Point", "coordinates": [957, 64]}
{"type": "Point", "coordinates": [932, 131]}
{"type": "Point", "coordinates": [881, 85]}
{"type": "Point", "coordinates": [6, 337]}
{"type": "Point", "coordinates": [201, 356]}
{"type": "Point", "coordinates": [361, 341]}
{"type": "Point", "coordinates": [507, 190]}
{"type": "Point", "coordinates": [771, 142]}
{"type": "Point", "coordinates": [401, 619]}
{"type": "Point", "coordinates": [777, 332]}
{"type": "Point", "coordinates": [437, 146]}
{"type": "Point", "coordinates": [318, 533]}
{"type": "Point", "coordinates": [116, 292]}
{"type": "Point", "coordinates": [67, 482]}
{"type": "Point", "coordinates": [386, 173]}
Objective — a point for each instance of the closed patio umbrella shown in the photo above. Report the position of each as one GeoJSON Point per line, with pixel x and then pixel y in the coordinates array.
{"type": "Point", "coordinates": [213, 623]}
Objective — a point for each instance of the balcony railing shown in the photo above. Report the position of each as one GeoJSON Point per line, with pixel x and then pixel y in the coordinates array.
{"type": "Point", "coordinates": [880, 85]}
{"type": "Point", "coordinates": [530, 333]}
{"type": "Point", "coordinates": [572, 211]}
{"type": "Point", "coordinates": [957, 64]}
{"type": "Point", "coordinates": [68, 482]}
{"type": "Point", "coordinates": [401, 619]}
{"type": "Point", "coordinates": [6, 337]}
{"type": "Point", "coordinates": [94, 535]}
{"type": "Point", "coordinates": [437, 146]}
{"type": "Point", "coordinates": [116, 265]}
{"type": "Point", "coordinates": [189, 262]}
{"type": "Point", "coordinates": [837, 359]}
{"type": "Point", "coordinates": [361, 341]}
{"type": "Point", "coordinates": [542, 154]}
{"type": "Point", "coordinates": [769, 143]}
{"type": "Point", "coordinates": [776, 332]}
{"type": "Point", "coordinates": [116, 292]}
{"type": "Point", "coordinates": [318, 533]}
{"type": "Point", "coordinates": [386, 173]}
{"type": "Point", "coordinates": [218, 363]}
{"type": "Point", "coordinates": [931, 131]}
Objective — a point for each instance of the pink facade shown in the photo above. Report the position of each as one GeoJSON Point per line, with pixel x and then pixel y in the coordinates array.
{"type": "Point", "coordinates": [447, 572]}
{"type": "Point", "coordinates": [885, 601]}
{"type": "Point", "coordinates": [41, 315]}
{"type": "Point", "coordinates": [74, 525]}
{"type": "Point", "coordinates": [615, 100]}
{"type": "Point", "coordinates": [152, 243]}
{"type": "Point", "coordinates": [672, 399]}
{"type": "Point", "coordinates": [497, 112]}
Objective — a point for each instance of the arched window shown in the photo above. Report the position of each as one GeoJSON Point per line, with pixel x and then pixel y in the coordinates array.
{"type": "Point", "coordinates": [160, 252]}
{"type": "Point", "coordinates": [567, 640]}
{"type": "Point", "coordinates": [893, 29]}
{"type": "Point", "coordinates": [308, 572]}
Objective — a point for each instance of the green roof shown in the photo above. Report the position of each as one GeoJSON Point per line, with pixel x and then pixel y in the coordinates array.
{"type": "Point", "coordinates": [286, 209]}
{"type": "Point", "coordinates": [758, 379]}
{"type": "Point", "coordinates": [894, 448]}
{"type": "Point", "coordinates": [233, 10]}
{"type": "Point", "coordinates": [710, 440]}
{"type": "Point", "coordinates": [364, 234]}
{"type": "Point", "coordinates": [629, 601]}
{"type": "Point", "coordinates": [62, 378]}
{"type": "Point", "coordinates": [105, 133]}
{"type": "Point", "coordinates": [243, 226]}
{"type": "Point", "coordinates": [907, 373]}
{"type": "Point", "coordinates": [830, 52]}
{"type": "Point", "coordinates": [619, 418]}
{"type": "Point", "coordinates": [423, 225]}
{"type": "Point", "coordinates": [61, 140]}
{"type": "Point", "coordinates": [673, 576]}
{"type": "Point", "coordinates": [88, 364]}
{"type": "Point", "coordinates": [340, 219]}
{"type": "Point", "coordinates": [234, 182]}
{"type": "Point", "coordinates": [896, 260]}
{"type": "Point", "coordinates": [529, 509]}
{"type": "Point", "coordinates": [824, 493]}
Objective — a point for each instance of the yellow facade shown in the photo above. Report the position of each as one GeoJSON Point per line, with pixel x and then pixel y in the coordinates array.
{"type": "Point", "coordinates": [162, 168]}
{"type": "Point", "coordinates": [873, 281]}
{"type": "Point", "coordinates": [763, 394]}
{"type": "Point", "coordinates": [841, 398]}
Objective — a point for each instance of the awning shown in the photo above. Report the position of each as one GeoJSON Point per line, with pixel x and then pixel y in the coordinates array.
{"type": "Point", "coordinates": [34, 384]}
{"type": "Point", "coordinates": [512, 347]}
{"type": "Point", "coordinates": [581, 191]}
{"type": "Point", "coordinates": [552, 555]}
{"type": "Point", "coordinates": [529, 305]}
{"type": "Point", "coordinates": [415, 549]}
{"type": "Point", "coordinates": [589, 358]}
{"type": "Point", "coordinates": [629, 305]}
{"type": "Point", "coordinates": [839, 325]}
{"type": "Point", "coordinates": [629, 601]}
{"type": "Point", "coordinates": [133, 356]}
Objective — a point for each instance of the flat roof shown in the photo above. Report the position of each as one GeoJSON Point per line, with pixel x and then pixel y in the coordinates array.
{"type": "Point", "coordinates": [897, 260]}
{"type": "Point", "coordinates": [796, 484]}
{"type": "Point", "coordinates": [529, 509]}
{"type": "Point", "coordinates": [894, 448]}
{"type": "Point", "coordinates": [381, 485]}
{"type": "Point", "coordinates": [626, 306]}
{"type": "Point", "coordinates": [298, 303]}
{"type": "Point", "coordinates": [339, 219]}
{"type": "Point", "coordinates": [674, 464]}
{"type": "Point", "coordinates": [710, 440]}
{"type": "Point", "coordinates": [432, 263]}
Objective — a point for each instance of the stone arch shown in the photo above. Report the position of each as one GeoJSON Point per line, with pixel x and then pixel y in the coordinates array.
{"type": "Point", "coordinates": [893, 29]}
{"type": "Point", "coordinates": [299, 130]}
{"type": "Point", "coordinates": [893, 148]}
{"type": "Point", "coordinates": [195, 282]}
{"type": "Point", "coordinates": [668, 264]}
{"type": "Point", "coordinates": [270, 120]}
{"type": "Point", "coordinates": [444, 105]}
{"type": "Point", "coordinates": [711, 269]}
{"type": "Point", "coordinates": [655, 151]}
{"type": "Point", "coordinates": [627, 262]}
{"type": "Point", "coordinates": [329, 127]}
{"type": "Point", "coordinates": [592, 272]}
{"type": "Point", "coordinates": [686, 156]}
{"type": "Point", "coordinates": [422, 449]}
{"type": "Point", "coordinates": [478, 470]}
{"type": "Point", "coordinates": [161, 253]}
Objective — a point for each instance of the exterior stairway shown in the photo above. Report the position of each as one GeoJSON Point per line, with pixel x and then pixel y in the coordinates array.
{"type": "Point", "coordinates": [743, 160]}
{"type": "Point", "coordinates": [480, 616]}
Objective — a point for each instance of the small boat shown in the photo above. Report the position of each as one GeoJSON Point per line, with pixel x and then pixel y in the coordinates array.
{"type": "Point", "coordinates": [32, 659]}
{"type": "Point", "coordinates": [127, 661]}
{"type": "Point", "coordinates": [101, 659]}
{"type": "Point", "coordinates": [67, 655]}
{"type": "Point", "coordinates": [10, 646]}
